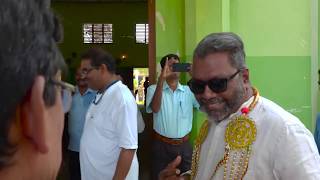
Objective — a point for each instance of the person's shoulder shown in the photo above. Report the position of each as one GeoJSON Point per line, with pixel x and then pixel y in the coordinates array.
{"type": "Point", "coordinates": [275, 114]}
{"type": "Point", "coordinates": [152, 86]}
{"type": "Point", "coordinates": [185, 87]}
{"type": "Point", "coordinates": [121, 88]}
{"type": "Point", "coordinates": [123, 92]}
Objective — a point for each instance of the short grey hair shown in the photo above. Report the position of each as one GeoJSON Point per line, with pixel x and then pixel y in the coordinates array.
{"type": "Point", "coordinates": [222, 42]}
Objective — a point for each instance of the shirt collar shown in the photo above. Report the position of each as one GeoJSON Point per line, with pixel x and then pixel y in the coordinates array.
{"type": "Point", "coordinates": [88, 91]}
{"type": "Point", "coordinates": [179, 87]}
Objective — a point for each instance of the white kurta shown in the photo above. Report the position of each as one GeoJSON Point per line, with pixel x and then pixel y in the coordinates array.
{"type": "Point", "coordinates": [284, 148]}
{"type": "Point", "coordinates": [110, 126]}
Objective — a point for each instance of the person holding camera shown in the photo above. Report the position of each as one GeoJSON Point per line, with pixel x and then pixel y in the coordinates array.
{"type": "Point", "coordinates": [172, 106]}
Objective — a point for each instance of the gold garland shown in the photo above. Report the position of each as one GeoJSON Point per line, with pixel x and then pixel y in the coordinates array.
{"type": "Point", "coordinates": [239, 136]}
{"type": "Point", "coordinates": [197, 148]}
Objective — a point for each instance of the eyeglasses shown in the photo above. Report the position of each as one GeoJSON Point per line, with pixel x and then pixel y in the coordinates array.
{"type": "Point", "coordinates": [217, 85]}
{"type": "Point", "coordinates": [66, 93]}
{"type": "Point", "coordinates": [87, 71]}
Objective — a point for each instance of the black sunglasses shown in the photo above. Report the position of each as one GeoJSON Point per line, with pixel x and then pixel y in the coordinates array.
{"type": "Point", "coordinates": [217, 85]}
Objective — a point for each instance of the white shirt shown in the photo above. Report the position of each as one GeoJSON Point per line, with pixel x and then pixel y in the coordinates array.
{"type": "Point", "coordinates": [283, 149]}
{"type": "Point", "coordinates": [110, 125]}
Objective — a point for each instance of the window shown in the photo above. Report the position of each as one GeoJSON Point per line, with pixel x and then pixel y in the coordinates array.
{"type": "Point", "coordinates": [97, 33]}
{"type": "Point", "coordinates": [142, 33]}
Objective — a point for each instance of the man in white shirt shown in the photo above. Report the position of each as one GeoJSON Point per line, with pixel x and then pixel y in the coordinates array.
{"type": "Point", "coordinates": [247, 136]}
{"type": "Point", "coordinates": [109, 140]}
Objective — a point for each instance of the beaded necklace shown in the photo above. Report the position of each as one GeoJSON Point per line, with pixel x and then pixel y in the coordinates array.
{"type": "Point", "coordinates": [239, 136]}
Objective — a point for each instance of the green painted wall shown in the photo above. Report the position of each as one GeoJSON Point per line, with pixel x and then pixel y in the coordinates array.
{"type": "Point", "coordinates": [169, 28]}
{"type": "Point", "coordinates": [277, 38]}
{"type": "Point", "coordinates": [273, 28]}
{"type": "Point", "coordinates": [208, 17]}
{"type": "Point", "coordinates": [123, 16]}
{"type": "Point", "coordinates": [287, 83]}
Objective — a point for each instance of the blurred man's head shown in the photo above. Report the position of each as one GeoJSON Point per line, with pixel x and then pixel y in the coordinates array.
{"type": "Point", "coordinates": [220, 79]}
{"type": "Point", "coordinates": [81, 79]}
{"type": "Point", "coordinates": [31, 115]}
{"type": "Point", "coordinates": [98, 66]}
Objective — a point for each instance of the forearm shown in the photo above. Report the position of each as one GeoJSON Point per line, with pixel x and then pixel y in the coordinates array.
{"type": "Point", "coordinates": [124, 163]}
{"type": "Point", "coordinates": [157, 97]}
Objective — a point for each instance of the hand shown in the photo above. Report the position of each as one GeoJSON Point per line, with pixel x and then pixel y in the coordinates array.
{"type": "Point", "coordinates": [190, 70]}
{"type": "Point", "coordinates": [165, 71]}
{"type": "Point", "coordinates": [171, 172]}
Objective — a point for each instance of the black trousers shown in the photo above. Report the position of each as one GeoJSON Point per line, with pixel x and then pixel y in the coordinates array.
{"type": "Point", "coordinates": [163, 153]}
{"type": "Point", "coordinates": [74, 165]}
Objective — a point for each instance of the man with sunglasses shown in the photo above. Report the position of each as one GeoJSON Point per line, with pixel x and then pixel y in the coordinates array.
{"type": "Point", "coordinates": [172, 106]}
{"type": "Point", "coordinates": [246, 136]}
{"type": "Point", "coordinates": [110, 136]}
{"type": "Point", "coordinates": [31, 111]}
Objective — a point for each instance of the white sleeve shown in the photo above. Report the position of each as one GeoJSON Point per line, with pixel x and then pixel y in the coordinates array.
{"type": "Point", "coordinates": [296, 156]}
{"type": "Point", "coordinates": [126, 125]}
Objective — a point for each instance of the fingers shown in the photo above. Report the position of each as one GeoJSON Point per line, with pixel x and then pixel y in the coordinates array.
{"type": "Point", "coordinates": [166, 65]}
{"type": "Point", "coordinates": [190, 70]}
{"type": "Point", "coordinates": [175, 163]}
{"type": "Point", "coordinates": [165, 69]}
{"type": "Point", "coordinates": [171, 172]}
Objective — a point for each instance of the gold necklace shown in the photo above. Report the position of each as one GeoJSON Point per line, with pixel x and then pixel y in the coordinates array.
{"type": "Point", "coordinates": [239, 136]}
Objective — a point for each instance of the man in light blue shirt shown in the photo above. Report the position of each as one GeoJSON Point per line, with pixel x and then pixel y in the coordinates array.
{"type": "Point", "coordinates": [172, 106]}
{"type": "Point", "coordinates": [80, 104]}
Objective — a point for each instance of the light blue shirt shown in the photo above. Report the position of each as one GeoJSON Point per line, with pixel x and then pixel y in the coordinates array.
{"type": "Point", "coordinates": [174, 119]}
{"type": "Point", "coordinates": [317, 132]}
{"type": "Point", "coordinates": [77, 116]}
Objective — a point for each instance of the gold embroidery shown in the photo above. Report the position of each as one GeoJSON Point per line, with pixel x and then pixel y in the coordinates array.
{"type": "Point", "coordinates": [239, 136]}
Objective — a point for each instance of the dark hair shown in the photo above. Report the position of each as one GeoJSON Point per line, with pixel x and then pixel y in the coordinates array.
{"type": "Point", "coordinates": [222, 42]}
{"type": "Point", "coordinates": [98, 56]}
{"type": "Point", "coordinates": [169, 56]}
{"type": "Point", "coordinates": [29, 32]}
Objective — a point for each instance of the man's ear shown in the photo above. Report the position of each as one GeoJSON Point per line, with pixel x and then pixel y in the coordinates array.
{"type": "Point", "coordinates": [245, 76]}
{"type": "Point", "coordinates": [103, 68]}
{"type": "Point", "coordinates": [34, 116]}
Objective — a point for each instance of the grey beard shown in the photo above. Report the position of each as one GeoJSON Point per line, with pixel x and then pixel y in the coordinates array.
{"type": "Point", "coordinates": [230, 106]}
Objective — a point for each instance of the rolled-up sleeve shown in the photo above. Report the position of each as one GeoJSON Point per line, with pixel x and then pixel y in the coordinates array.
{"type": "Point", "coordinates": [150, 92]}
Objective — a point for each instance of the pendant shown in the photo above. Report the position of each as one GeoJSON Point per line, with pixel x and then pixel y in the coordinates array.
{"type": "Point", "coordinates": [240, 133]}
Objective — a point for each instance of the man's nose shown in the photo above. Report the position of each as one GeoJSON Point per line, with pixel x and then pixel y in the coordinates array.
{"type": "Point", "coordinates": [208, 93]}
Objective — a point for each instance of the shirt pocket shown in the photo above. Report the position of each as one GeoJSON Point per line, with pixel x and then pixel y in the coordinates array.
{"type": "Point", "coordinates": [183, 108]}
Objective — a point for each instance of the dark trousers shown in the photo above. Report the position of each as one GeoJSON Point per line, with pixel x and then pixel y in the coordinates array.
{"type": "Point", "coordinates": [74, 165]}
{"type": "Point", "coordinates": [163, 153]}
